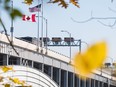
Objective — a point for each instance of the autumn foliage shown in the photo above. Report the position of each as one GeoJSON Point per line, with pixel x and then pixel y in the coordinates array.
{"type": "Point", "coordinates": [61, 3]}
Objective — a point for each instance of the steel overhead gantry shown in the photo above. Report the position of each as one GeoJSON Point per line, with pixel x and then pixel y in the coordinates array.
{"type": "Point", "coordinates": [58, 41]}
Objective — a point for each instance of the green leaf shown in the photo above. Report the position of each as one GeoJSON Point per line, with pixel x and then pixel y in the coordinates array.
{"type": "Point", "coordinates": [15, 13]}
{"type": "Point", "coordinates": [7, 8]}
{"type": "Point", "coordinates": [7, 1]}
{"type": "Point", "coordinates": [6, 5]}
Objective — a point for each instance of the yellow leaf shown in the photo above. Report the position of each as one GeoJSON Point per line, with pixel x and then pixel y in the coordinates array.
{"type": "Point", "coordinates": [17, 81]}
{"type": "Point", "coordinates": [26, 86]}
{"type": "Point", "coordinates": [90, 60]}
{"type": "Point", "coordinates": [6, 68]}
{"type": "Point", "coordinates": [1, 79]}
{"type": "Point", "coordinates": [29, 2]}
{"type": "Point", "coordinates": [60, 2]}
{"type": "Point", "coordinates": [75, 2]}
{"type": "Point", "coordinates": [6, 85]}
{"type": "Point", "coordinates": [21, 82]}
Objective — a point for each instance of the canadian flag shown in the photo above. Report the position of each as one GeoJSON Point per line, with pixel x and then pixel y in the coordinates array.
{"type": "Point", "coordinates": [29, 18]}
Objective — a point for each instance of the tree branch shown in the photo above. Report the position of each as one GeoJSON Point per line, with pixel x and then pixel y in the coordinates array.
{"type": "Point", "coordinates": [92, 18]}
{"type": "Point", "coordinates": [99, 18]}
{"type": "Point", "coordinates": [108, 25]}
{"type": "Point", "coordinates": [111, 9]}
{"type": "Point", "coordinates": [8, 37]}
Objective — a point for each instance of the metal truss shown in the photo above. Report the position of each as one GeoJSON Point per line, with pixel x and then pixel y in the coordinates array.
{"type": "Point", "coordinates": [63, 43]}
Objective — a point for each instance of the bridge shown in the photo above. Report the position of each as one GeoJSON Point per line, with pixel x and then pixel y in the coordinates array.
{"type": "Point", "coordinates": [39, 69]}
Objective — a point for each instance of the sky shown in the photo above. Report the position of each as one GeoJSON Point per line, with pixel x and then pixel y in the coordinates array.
{"type": "Point", "coordinates": [60, 19]}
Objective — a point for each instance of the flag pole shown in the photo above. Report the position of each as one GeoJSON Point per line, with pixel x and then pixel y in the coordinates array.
{"type": "Point", "coordinates": [38, 41]}
{"type": "Point", "coordinates": [46, 34]}
{"type": "Point", "coordinates": [11, 29]}
{"type": "Point", "coordinates": [0, 9]}
{"type": "Point", "coordinates": [42, 29]}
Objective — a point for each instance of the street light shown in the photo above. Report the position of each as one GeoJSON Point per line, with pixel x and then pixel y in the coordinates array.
{"type": "Point", "coordinates": [111, 63]}
{"type": "Point", "coordinates": [85, 43]}
{"type": "Point", "coordinates": [80, 43]}
{"type": "Point", "coordinates": [46, 31]}
{"type": "Point", "coordinates": [111, 69]}
{"type": "Point", "coordinates": [70, 39]}
{"type": "Point", "coordinates": [107, 64]}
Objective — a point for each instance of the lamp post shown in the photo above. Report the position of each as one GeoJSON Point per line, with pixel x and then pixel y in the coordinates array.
{"type": "Point", "coordinates": [111, 70]}
{"type": "Point", "coordinates": [111, 60]}
{"type": "Point", "coordinates": [81, 44]}
{"type": "Point", "coordinates": [108, 64]}
{"type": "Point", "coordinates": [85, 43]}
{"type": "Point", "coordinates": [111, 64]}
{"type": "Point", "coordinates": [12, 28]}
{"type": "Point", "coordinates": [46, 31]}
{"type": "Point", "coordinates": [70, 39]}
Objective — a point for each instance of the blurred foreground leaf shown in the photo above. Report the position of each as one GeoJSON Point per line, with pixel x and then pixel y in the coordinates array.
{"type": "Point", "coordinates": [75, 2]}
{"type": "Point", "coordinates": [17, 81]}
{"type": "Point", "coordinates": [12, 12]}
{"type": "Point", "coordinates": [6, 85]}
{"type": "Point", "coordinates": [1, 79]}
{"type": "Point", "coordinates": [90, 60]}
{"type": "Point", "coordinates": [6, 68]}
{"type": "Point", "coordinates": [29, 2]}
{"type": "Point", "coordinates": [60, 2]}
{"type": "Point", "coordinates": [15, 13]}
